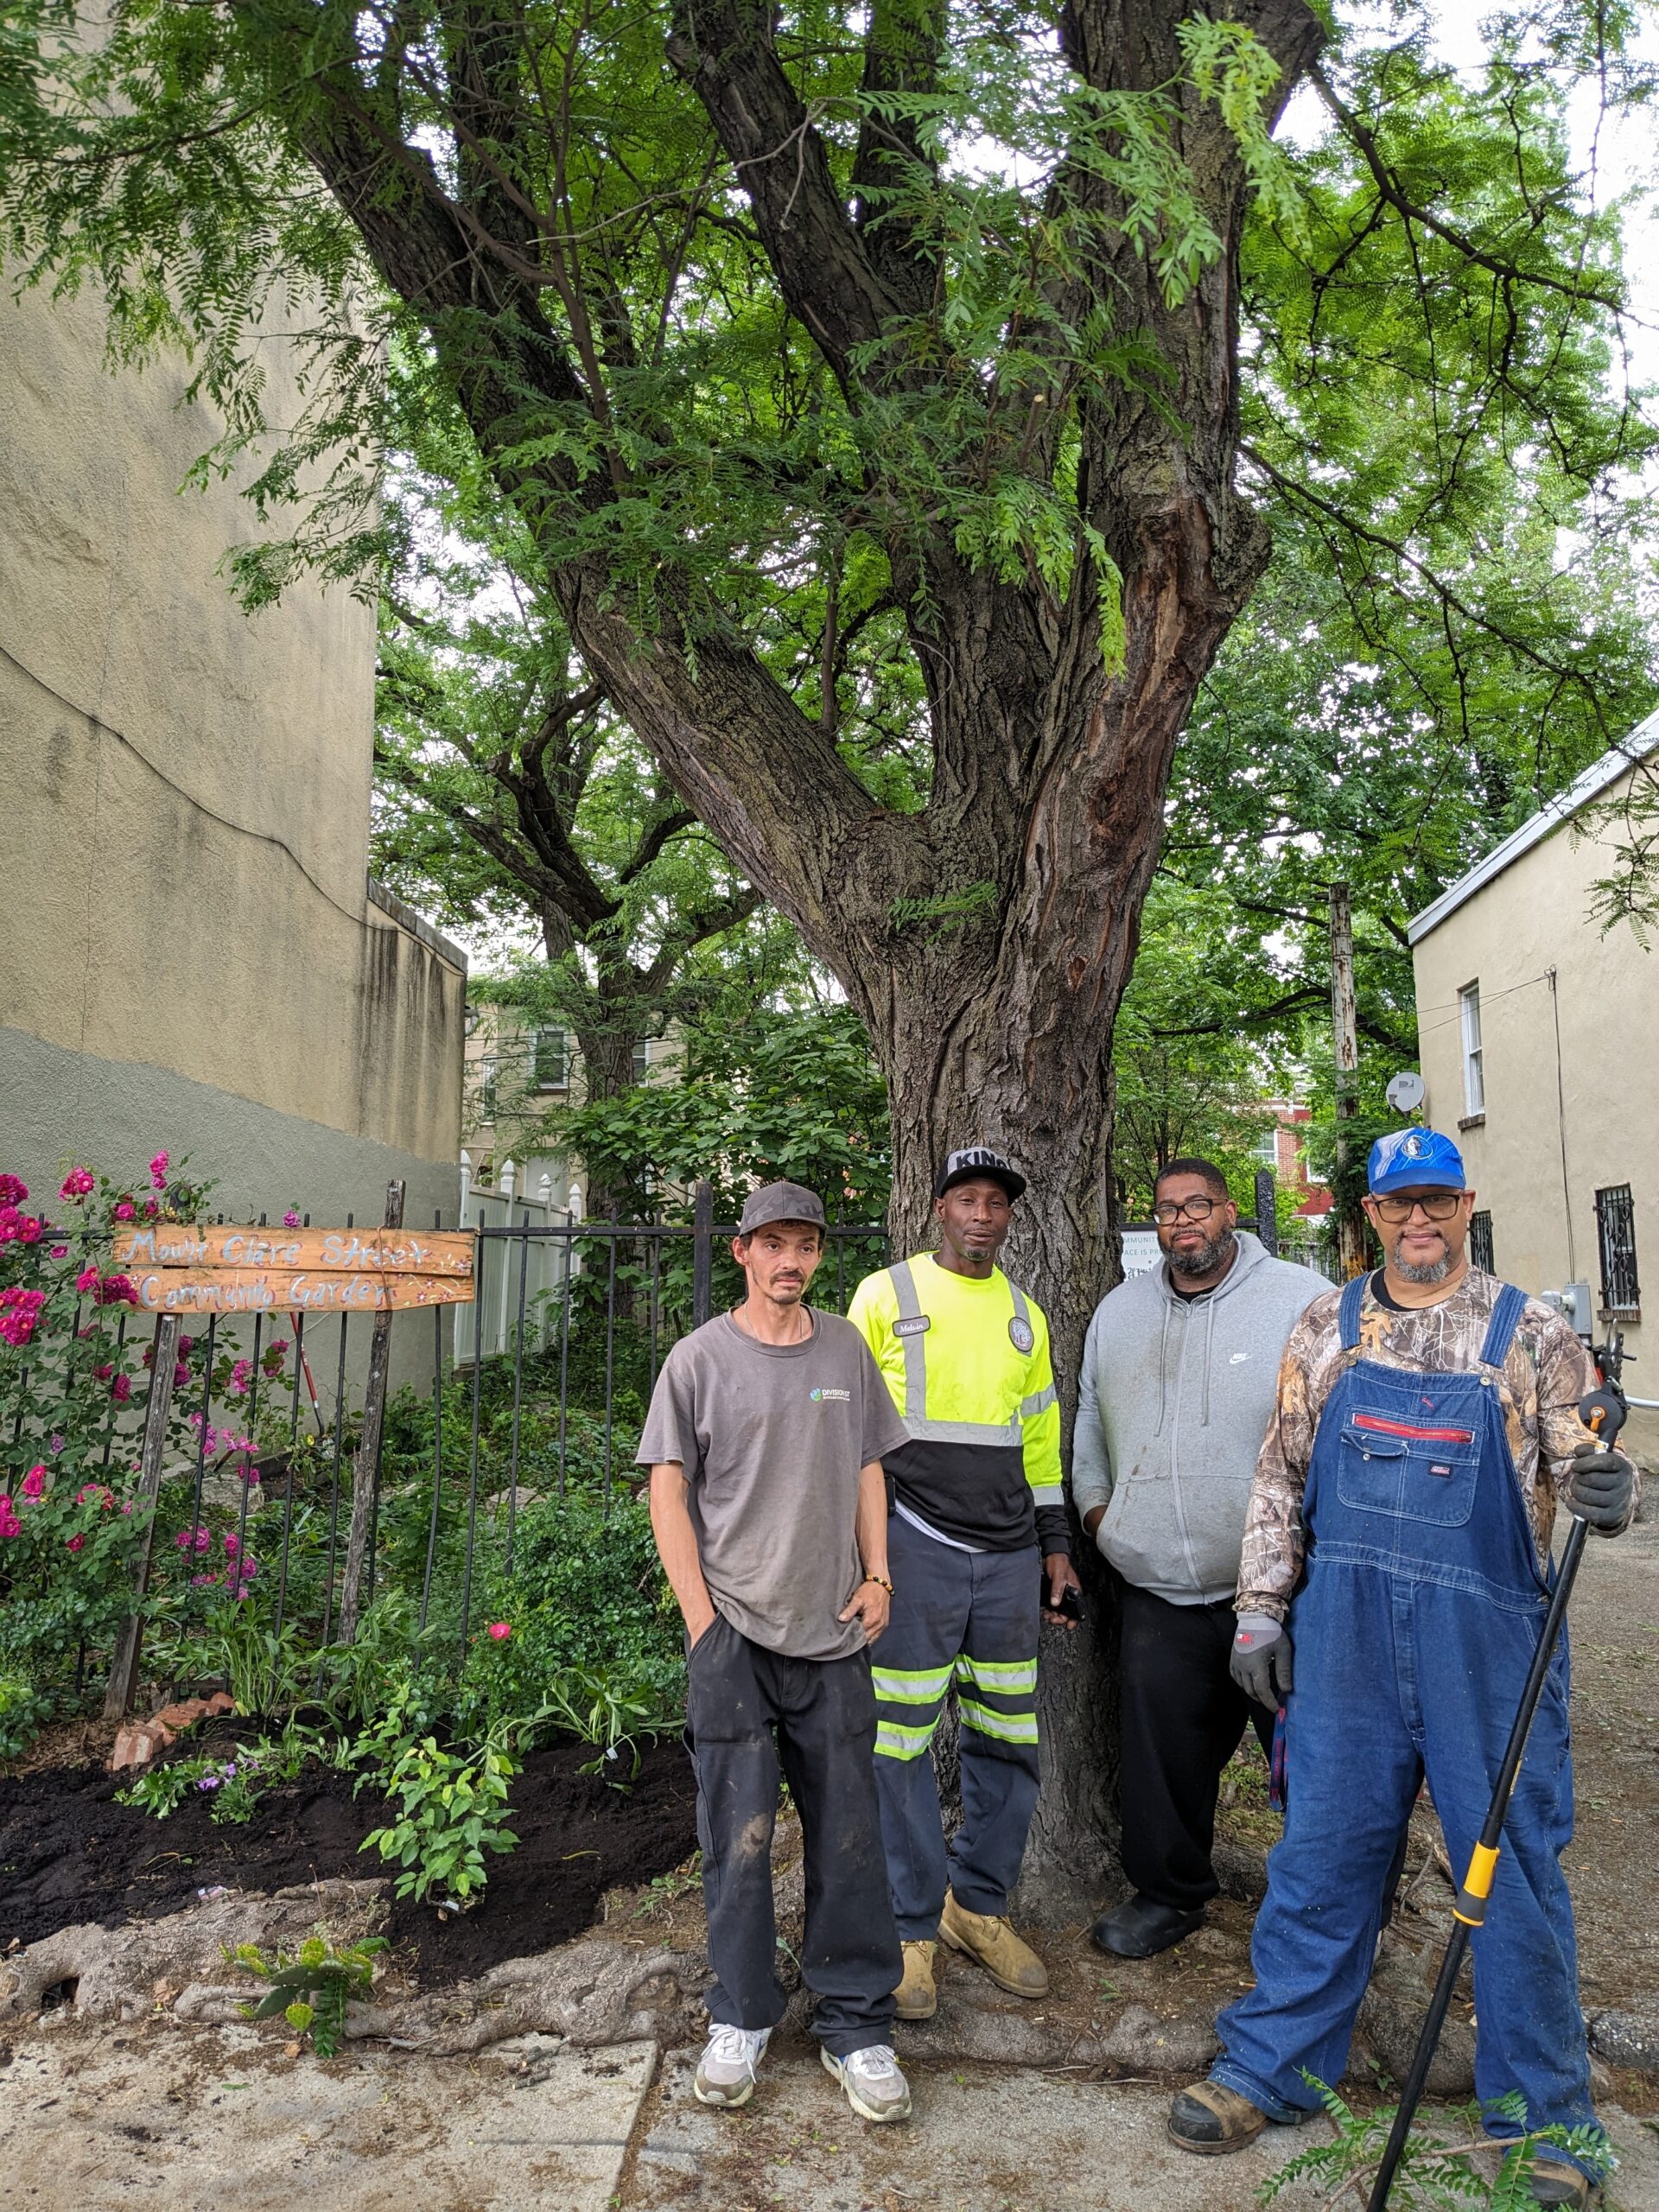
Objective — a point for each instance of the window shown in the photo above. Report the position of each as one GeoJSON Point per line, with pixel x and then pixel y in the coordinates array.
{"type": "Point", "coordinates": [1474, 1074]}
{"type": "Point", "coordinates": [487, 1087]}
{"type": "Point", "coordinates": [1480, 1242]}
{"type": "Point", "coordinates": [550, 1060]}
{"type": "Point", "coordinates": [642, 1059]}
{"type": "Point", "coordinates": [1616, 1234]}
{"type": "Point", "coordinates": [1265, 1150]}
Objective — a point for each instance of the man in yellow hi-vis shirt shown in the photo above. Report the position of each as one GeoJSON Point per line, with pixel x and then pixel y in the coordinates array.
{"type": "Point", "coordinates": [976, 1495]}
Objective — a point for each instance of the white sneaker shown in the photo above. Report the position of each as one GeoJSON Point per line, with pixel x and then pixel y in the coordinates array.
{"type": "Point", "coordinates": [725, 2072]}
{"type": "Point", "coordinates": [875, 2088]}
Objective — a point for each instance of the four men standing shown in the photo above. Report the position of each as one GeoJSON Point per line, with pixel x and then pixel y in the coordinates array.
{"type": "Point", "coordinates": [1395, 1522]}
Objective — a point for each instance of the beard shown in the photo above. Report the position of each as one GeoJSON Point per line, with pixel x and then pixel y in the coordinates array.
{"type": "Point", "coordinates": [1426, 1271]}
{"type": "Point", "coordinates": [1206, 1258]}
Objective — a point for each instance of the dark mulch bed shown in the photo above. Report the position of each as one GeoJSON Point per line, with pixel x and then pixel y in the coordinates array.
{"type": "Point", "coordinates": [68, 1852]}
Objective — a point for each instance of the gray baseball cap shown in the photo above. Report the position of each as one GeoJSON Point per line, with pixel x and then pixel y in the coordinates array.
{"type": "Point", "coordinates": [781, 1202]}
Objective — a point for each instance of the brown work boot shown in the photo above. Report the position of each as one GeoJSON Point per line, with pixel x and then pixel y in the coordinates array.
{"type": "Point", "coordinates": [916, 1997]}
{"type": "Point", "coordinates": [1012, 1965]}
{"type": "Point", "coordinates": [1213, 2119]}
{"type": "Point", "coordinates": [1553, 2182]}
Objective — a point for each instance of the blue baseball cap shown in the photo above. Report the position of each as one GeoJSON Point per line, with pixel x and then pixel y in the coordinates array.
{"type": "Point", "coordinates": [1414, 1159]}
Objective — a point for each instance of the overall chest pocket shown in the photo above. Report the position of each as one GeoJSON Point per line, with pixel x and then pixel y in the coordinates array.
{"type": "Point", "coordinates": [1412, 1471]}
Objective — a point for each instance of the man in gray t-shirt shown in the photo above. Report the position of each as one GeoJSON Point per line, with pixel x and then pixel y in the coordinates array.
{"type": "Point", "coordinates": [768, 1503]}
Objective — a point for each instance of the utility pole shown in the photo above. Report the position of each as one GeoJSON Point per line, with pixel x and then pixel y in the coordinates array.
{"type": "Point", "coordinates": [1350, 1221]}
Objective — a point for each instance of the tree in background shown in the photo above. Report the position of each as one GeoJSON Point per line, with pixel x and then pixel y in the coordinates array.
{"type": "Point", "coordinates": [911, 320]}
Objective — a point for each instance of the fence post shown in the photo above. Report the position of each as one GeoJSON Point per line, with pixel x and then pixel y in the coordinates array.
{"type": "Point", "coordinates": [703, 1254]}
{"type": "Point", "coordinates": [366, 1468]}
{"type": "Point", "coordinates": [123, 1668]}
{"type": "Point", "coordinates": [1266, 1214]}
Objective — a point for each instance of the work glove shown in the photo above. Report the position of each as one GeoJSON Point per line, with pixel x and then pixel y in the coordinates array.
{"type": "Point", "coordinates": [1600, 1488]}
{"type": "Point", "coordinates": [1260, 1660]}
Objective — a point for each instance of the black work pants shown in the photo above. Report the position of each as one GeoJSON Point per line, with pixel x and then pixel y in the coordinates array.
{"type": "Point", "coordinates": [1181, 1716]}
{"type": "Point", "coordinates": [750, 1714]}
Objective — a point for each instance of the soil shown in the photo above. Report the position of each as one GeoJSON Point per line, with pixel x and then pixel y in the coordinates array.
{"type": "Point", "coordinates": [69, 1853]}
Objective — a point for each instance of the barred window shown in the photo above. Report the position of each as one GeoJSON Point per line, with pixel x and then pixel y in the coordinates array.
{"type": "Point", "coordinates": [551, 1061]}
{"type": "Point", "coordinates": [1616, 1235]}
{"type": "Point", "coordinates": [1480, 1242]}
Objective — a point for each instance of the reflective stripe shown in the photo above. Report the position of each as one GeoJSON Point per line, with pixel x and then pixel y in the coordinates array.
{"type": "Point", "coordinates": [1010, 1728]}
{"type": "Point", "coordinates": [892, 1742]}
{"type": "Point", "coordinates": [1021, 1311]}
{"type": "Point", "coordinates": [1038, 1402]}
{"type": "Point", "coordinates": [1048, 1494]}
{"type": "Point", "coordinates": [920, 1686]}
{"type": "Point", "coordinates": [1007, 1675]}
{"type": "Point", "coordinates": [910, 1309]}
{"type": "Point", "coordinates": [964, 1432]}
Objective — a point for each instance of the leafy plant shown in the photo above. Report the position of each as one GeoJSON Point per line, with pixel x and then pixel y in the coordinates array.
{"type": "Point", "coordinates": [312, 1990]}
{"type": "Point", "coordinates": [451, 1812]}
{"type": "Point", "coordinates": [607, 1707]}
{"type": "Point", "coordinates": [235, 1784]}
{"type": "Point", "coordinates": [1435, 2175]}
{"type": "Point", "coordinates": [25, 1711]}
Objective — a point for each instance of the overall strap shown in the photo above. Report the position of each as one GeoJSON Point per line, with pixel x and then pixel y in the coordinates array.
{"type": "Point", "coordinates": [1505, 1314]}
{"type": "Point", "coordinates": [1353, 1294]}
{"type": "Point", "coordinates": [913, 1340]}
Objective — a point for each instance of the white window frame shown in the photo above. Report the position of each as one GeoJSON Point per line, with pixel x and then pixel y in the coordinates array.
{"type": "Point", "coordinates": [1474, 1064]}
{"type": "Point", "coordinates": [561, 1082]}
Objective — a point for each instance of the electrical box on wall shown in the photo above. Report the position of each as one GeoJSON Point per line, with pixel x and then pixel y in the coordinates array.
{"type": "Point", "coordinates": [1572, 1302]}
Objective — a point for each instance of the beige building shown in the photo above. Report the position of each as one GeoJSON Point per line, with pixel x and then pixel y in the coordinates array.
{"type": "Point", "coordinates": [1539, 1042]}
{"type": "Point", "coordinates": [194, 955]}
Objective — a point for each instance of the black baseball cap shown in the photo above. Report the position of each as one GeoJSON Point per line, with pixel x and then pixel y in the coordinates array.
{"type": "Point", "coordinates": [781, 1202]}
{"type": "Point", "coordinates": [979, 1160]}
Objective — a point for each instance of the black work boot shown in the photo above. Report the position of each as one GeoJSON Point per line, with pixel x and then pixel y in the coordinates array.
{"type": "Point", "coordinates": [1213, 2120]}
{"type": "Point", "coordinates": [1141, 1928]}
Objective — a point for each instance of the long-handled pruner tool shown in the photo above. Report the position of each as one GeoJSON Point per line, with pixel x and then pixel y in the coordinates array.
{"type": "Point", "coordinates": [1602, 1415]}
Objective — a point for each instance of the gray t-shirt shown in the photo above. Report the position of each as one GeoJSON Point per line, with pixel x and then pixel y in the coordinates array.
{"type": "Point", "coordinates": [771, 1438]}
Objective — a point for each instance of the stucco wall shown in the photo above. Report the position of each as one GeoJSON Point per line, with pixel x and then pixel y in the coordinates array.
{"type": "Point", "coordinates": [190, 956]}
{"type": "Point", "coordinates": [1596, 1103]}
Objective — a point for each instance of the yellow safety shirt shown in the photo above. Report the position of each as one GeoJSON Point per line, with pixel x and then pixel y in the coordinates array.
{"type": "Point", "coordinates": [967, 1362]}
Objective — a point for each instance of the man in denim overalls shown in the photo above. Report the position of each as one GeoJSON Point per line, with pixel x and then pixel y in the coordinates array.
{"type": "Point", "coordinates": [1398, 1536]}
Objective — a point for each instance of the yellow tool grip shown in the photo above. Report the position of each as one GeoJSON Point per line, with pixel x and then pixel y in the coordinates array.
{"type": "Point", "coordinates": [1470, 1906]}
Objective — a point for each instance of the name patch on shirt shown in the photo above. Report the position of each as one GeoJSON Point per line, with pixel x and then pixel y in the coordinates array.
{"type": "Point", "coordinates": [1022, 1335]}
{"type": "Point", "coordinates": [914, 1327]}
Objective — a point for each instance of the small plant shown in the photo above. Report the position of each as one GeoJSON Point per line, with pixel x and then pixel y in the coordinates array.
{"type": "Point", "coordinates": [25, 1711]}
{"type": "Point", "coordinates": [607, 1707]}
{"type": "Point", "coordinates": [312, 1990]}
{"type": "Point", "coordinates": [451, 1807]}
{"type": "Point", "coordinates": [234, 1783]}
{"type": "Point", "coordinates": [1435, 2175]}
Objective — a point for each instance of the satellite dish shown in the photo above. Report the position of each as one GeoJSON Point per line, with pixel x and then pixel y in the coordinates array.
{"type": "Point", "coordinates": [1406, 1092]}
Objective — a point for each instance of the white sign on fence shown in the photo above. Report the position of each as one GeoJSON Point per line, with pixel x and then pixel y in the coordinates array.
{"type": "Point", "coordinates": [1141, 1252]}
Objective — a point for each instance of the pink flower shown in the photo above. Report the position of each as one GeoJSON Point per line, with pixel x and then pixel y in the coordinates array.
{"type": "Point", "coordinates": [121, 1389]}
{"type": "Point", "coordinates": [103, 1373]}
{"type": "Point", "coordinates": [13, 1191]}
{"type": "Point", "coordinates": [18, 1228]}
{"type": "Point", "coordinates": [500, 1630]}
{"type": "Point", "coordinates": [232, 1543]}
{"type": "Point", "coordinates": [150, 1208]}
{"type": "Point", "coordinates": [20, 1310]}
{"type": "Point", "coordinates": [117, 1290]}
{"type": "Point", "coordinates": [35, 1482]}
{"type": "Point", "coordinates": [56, 1443]}
{"type": "Point", "coordinates": [76, 1184]}
{"type": "Point", "coordinates": [187, 1345]}
{"type": "Point", "coordinates": [181, 1373]}
{"type": "Point", "coordinates": [10, 1524]}
{"type": "Point", "coordinates": [203, 1581]}
{"type": "Point", "coordinates": [290, 1219]}
{"type": "Point", "coordinates": [237, 1385]}
{"type": "Point", "coordinates": [87, 1281]}
{"type": "Point", "coordinates": [125, 1211]}
{"type": "Point", "coordinates": [275, 1348]}
{"type": "Point", "coordinates": [60, 1251]}
{"type": "Point", "coordinates": [91, 1490]}
{"type": "Point", "coordinates": [74, 1543]}
{"type": "Point", "coordinates": [203, 1538]}
{"type": "Point", "coordinates": [158, 1172]}
{"type": "Point", "coordinates": [247, 1567]}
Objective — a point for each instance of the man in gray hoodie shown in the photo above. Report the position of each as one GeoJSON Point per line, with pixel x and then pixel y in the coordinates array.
{"type": "Point", "coordinates": [1179, 1373]}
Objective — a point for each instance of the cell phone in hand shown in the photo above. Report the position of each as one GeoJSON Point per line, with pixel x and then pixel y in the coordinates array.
{"type": "Point", "coordinates": [1070, 1602]}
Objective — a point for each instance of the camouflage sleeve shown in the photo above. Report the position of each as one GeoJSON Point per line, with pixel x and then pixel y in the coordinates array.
{"type": "Point", "coordinates": [1565, 1373]}
{"type": "Point", "coordinates": [1272, 1560]}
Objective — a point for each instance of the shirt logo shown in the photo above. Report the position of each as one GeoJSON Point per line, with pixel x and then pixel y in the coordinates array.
{"type": "Point", "coordinates": [914, 1327]}
{"type": "Point", "coordinates": [840, 1397]}
{"type": "Point", "coordinates": [1238, 1359]}
{"type": "Point", "coordinates": [1022, 1335]}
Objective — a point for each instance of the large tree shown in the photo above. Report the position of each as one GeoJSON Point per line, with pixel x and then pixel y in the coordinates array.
{"type": "Point", "coordinates": [915, 317]}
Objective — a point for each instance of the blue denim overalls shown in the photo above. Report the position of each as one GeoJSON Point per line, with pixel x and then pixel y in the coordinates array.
{"type": "Point", "coordinates": [1412, 1634]}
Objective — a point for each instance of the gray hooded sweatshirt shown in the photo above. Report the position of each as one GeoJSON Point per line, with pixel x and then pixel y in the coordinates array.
{"type": "Point", "coordinates": [1172, 1404]}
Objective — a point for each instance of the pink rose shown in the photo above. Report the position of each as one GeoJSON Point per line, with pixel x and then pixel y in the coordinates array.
{"type": "Point", "coordinates": [60, 1251]}
{"type": "Point", "coordinates": [10, 1524]}
{"type": "Point", "coordinates": [500, 1630]}
{"type": "Point", "coordinates": [76, 1184]}
{"type": "Point", "coordinates": [158, 1172]}
{"type": "Point", "coordinates": [18, 1228]}
{"type": "Point", "coordinates": [20, 1310]}
{"type": "Point", "coordinates": [87, 1281]}
{"type": "Point", "coordinates": [232, 1544]}
{"type": "Point", "coordinates": [121, 1389]}
{"type": "Point", "coordinates": [35, 1482]}
{"type": "Point", "coordinates": [290, 1219]}
{"type": "Point", "coordinates": [13, 1191]}
{"type": "Point", "coordinates": [125, 1211]}
{"type": "Point", "coordinates": [74, 1543]}
{"type": "Point", "coordinates": [117, 1290]}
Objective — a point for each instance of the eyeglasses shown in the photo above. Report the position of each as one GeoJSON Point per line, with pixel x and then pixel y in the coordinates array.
{"type": "Point", "coordinates": [1436, 1206]}
{"type": "Point", "coordinates": [1168, 1209]}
